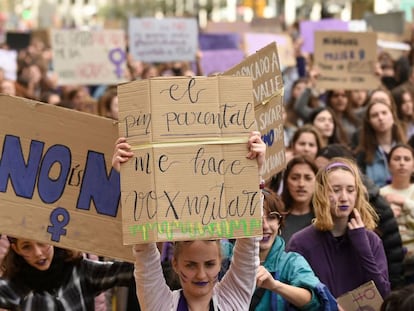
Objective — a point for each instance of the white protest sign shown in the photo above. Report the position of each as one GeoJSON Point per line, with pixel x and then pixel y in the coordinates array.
{"type": "Point", "coordinates": [8, 62]}
{"type": "Point", "coordinates": [163, 40]}
{"type": "Point", "coordinates": [89, 57]}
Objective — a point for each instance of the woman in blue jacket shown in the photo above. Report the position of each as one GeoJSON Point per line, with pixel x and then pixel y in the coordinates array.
{"type": "Point", "coordinates": [285, 281]}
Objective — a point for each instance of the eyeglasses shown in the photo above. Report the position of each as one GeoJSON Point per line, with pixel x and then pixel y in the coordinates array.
{"type": "Point", "coordinates": [272, 216]}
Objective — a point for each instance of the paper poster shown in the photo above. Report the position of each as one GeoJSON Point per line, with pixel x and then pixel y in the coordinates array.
{"type": "Point", "coordinates": [89, 57]}
{"type": "Point", "coordinates": [163, 40]}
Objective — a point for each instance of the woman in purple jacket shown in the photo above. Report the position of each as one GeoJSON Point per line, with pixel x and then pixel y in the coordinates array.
{"type": "Point", "coordinates": [340, 245]}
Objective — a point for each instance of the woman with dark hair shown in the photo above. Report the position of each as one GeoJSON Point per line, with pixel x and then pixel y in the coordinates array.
{"type": "Point", "coordinates": [338, 101]}
{"type": "Point", "coordinates": [284, 280]}
{"type": "Point", "coordinates": [404, 101]}
{"type": "Point", "coordinates": [292, 117]}
{"type": "Point", "coordinates": [39, 276]}
{"type": "Point", "coordinates": [380, 131]}
{"type": "Point", "coordinates": [325, 120]}
{"type": "Point", "coordinates": [306, 141]}
{"type": "Point", "coordinates": [400, 195]}
{"type": "Point", "coordinates": [298, 187]}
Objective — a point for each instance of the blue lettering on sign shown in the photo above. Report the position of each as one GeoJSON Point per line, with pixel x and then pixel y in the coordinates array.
{"type": "Point", "coordinates": [97, 187]}
{"type": "Point", "coordinates": [59, 218]}
{"type": "Point", "coordinates": [51, 190]}
{"type": "Point", "coordinates": [12, 165]}
{"type": "Point", "coordinates": [269, 138]}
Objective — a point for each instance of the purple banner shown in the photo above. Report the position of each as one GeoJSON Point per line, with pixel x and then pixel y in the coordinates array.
{"type": "Point", "coordinates": [222, 41]}
{"type": "Point", "coordinates": [308, 28]}
{"type": "Point", "coordinates": [218, 61]}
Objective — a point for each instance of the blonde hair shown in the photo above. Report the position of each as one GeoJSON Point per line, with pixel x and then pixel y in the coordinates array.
{"type": "Point", "coordinates": [321, 203]}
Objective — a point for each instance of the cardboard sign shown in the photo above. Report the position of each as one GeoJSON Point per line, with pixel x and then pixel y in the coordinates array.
{"type": "Point", "coordinates": [8, 62]}
{"type": "Point", "coordinates": [346, 59]}
{"type": "Point", "coordinates": [255, 41]}
{"type": "Point", "coordinates": [308, 29]}
{"type": "Point", "coordinates": [89, 57]}
{"type": "Point", "coordinates": [264, 68]}
{"type": "Point", "coordinates": [365, 297]}
{"type": "Point", "coordinates": [163, 40]}
{"type": "Point", "coordinates": [217, 61]}
{"type": "Point", "coordinates": [56, 181]}
{"type": "Point", "coordinates": [189, 178]}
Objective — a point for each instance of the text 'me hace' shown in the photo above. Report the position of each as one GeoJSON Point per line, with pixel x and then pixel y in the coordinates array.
{"type": "Point", "coordinates": [189, 177]}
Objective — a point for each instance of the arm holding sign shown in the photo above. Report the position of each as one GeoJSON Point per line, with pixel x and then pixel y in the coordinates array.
{"type": "Point", "coordinates": [197, 263]}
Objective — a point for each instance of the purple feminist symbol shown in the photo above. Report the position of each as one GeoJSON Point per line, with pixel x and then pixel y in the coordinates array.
{"type": "Point", "coordinates": [117, 57]}
{"type": "Point", "coordinates": [56, 229]}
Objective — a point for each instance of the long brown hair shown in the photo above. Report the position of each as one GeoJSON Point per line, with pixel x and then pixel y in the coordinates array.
{"type": "Point", "coordinates": [368, 139]}
{"type": "Point", "coordinates": [13, 263]}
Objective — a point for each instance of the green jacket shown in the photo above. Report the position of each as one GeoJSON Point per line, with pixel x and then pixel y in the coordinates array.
{"type": "Point", "coordinates": [290, 268]}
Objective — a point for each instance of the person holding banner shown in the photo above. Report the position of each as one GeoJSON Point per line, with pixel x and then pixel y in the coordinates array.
{"type": "Point", "coordinates": [197, 263]}
{"type": "Point", "coordinates": [285, 279]}
{"type": "Point", "coordinates": [39, 276]}
{"type": "Point", "coordinates": [340, 245]}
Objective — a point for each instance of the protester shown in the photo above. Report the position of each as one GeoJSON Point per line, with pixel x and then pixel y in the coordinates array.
{"type": "Point", "coordinates": [404, 100]}
{"type": "Point", "coordinates": [292, 117]}
{"type": "Point", "coordinates": [400, 194]}
{"type": "Point", "coordinates": [197, 263]}
{"type": "Point", "coordinates": [306, 141]}
{"type": "Point", "coordinates": [338, 101]}
{"type": "Point", "coordinates": [340, 245]}
{"type": "Point", "coordinates": [332, 132]}
{"type": "Point", "coordinates": [401, 300]}
{"type": "Point", "coordinates": [380, 131]}
{"type": "Point", "coordinates": [298, 188]}
{"type": "Point", "coordinates": [39, 276]}
{"type": "Point", "coordinates": [387, 228]}
{"type": "Point", "coordinates": [284, 279]}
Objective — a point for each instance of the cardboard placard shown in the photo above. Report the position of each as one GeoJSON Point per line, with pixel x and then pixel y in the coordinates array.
{"type": "Point", "coordinates": [189, 177]}
{"type": "Point", "coordinates": [163, 40]}
{"type": "Point", "coordinates": [89, 57]}
{"type": "Point", "coordinates": [264, 68]}
{"type": "Point", "coordinates": [56, 181]}
{"type": "Point", "coordinates": [365, 297]}
{"type": "Point", "coordinates": [308, 29]}
{"type": "Point", "coordinates": [347, 59]}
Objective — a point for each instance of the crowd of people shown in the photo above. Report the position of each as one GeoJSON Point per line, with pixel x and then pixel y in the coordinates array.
{"type": "Point", "coordinates": [340, 214]}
